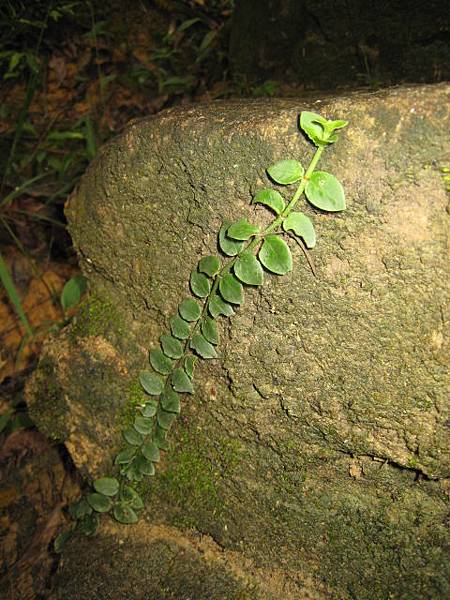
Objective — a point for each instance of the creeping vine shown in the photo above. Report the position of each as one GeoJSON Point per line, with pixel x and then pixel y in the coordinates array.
{"type": "Point", "coordinates": [217, 286]}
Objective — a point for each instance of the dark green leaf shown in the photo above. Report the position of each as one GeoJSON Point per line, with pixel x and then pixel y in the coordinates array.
{"type": "Point", "coordinates": [231, 289]}
{"type": "Point", "coordinates": [159, 361]}
{"type": "Point", "coordinates": [170, 401]}
{"type": "Point", "coordinates": [131, 471]}
{"type": "Point", "coordinates": [208, 328]}
{"type": "Point", "coordinates": [171, 346]}
{"type": "Point", "coordinates": [179, 327]}
{"type": "Point", "coordinates": [151, 383]}
{"type": "Point", "coordinates": [132, 498]}
{"type": "Point", "coordinates": [125, 456]}
{"type": "Point", "coordinates": [159, 437]}
{"type": "Point", "coordinates": [275, 255]}
{"type": "Point", "coordinates": [99, 502]}
{"type": "Point", "coordinates": [72, 291]}
{"type": "Point", "coordinates": [324, 191]}
{"type": "Point", "coordinates": [125, 514]}
{"type": "Point", "coordinates": [80, 509]}
{"type": "Point", "coordinates": [286, 171]}
{"type": "Point", "coordinates": [218, 307]}
{"type": "Point", "coordinates": [61, 540]}
{"type": "Point", "coordinates": [202, 346]}
{"type": "Point", "coordinates": [242, 230]}
{"type": "Point", "coordinates": [270, 198]}
{"type": "Point", "coordinates": [302, 226]}
{"type": "Point", "coordinates": [151, 451]}
{"type": "Point", "coordinates": [143, 425]}
{"type": "Point", "coordinates": [248, 269]}
{"type": "Point", "coordinates": [189, 364]}
{"type": "Point", "coordinates": [149, 409]}
{"type": "Point", "coordinates": [228, 246]}
{"type": "Point", "coordinates": [181, 382]}
{"type": "Point", "coordinates": [133, 437]}
{"type": "Point", "coordinates": [165, 419]}
{"type": "Point", "coordinates": [108, 486]}
{"type": "Point", "coordinates": [144, 466]}
{"type": "Point", "coordinates": [199, 284]}
{"type": "Point", "coordinates": [209, 265]}
{"type": "Point", "coordinates": [190, 310]}
{"type": "Point", "coordinates": [89, 524]}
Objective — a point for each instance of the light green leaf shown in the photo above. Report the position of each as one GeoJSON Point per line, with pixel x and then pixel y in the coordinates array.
{"type": "Point", "coordinates": [170, 401]}
{"type": "Point", "coordinates": [108, 486]}
{"type": "Point", "coordinates": [275, 255]}
{"type": "Point", "coordinates": [242, 230]}
{"type": "Point", "coordinates": [231, 289]}
{"type": "Point", "coordinates": [228, 246]}
{"type": "Point", "coordinates": [179, 327]}
{"type": "Point", "coordinates": [313, 125]}
{"type": "Point", "coordinates": [199, 283]}
{"type": "Point", "coordinates": [143, 425]}
{"type": "Point", "coordinates": [302, 226]}
{"type": "Point", "coordinates": [149, 409]}
{"type": "Point", "coordinates": [270, 198]}
{"type": "Point", "coordinates": [208, 328]}
{"type": "Point", "coordinates": [324, 191]}
{"type": "Point", "coordinates": [159, 437]}
{"type": "Point", "coordinates": [72, 291]}
{"type": "Point", "coordinates": [248, 269]}
{"type": "Point", "coordinates": [171, 346]}
{"type": "Point", "coordinates": [125, 456]}
{"type": "Point", "coordinates": [131, 497]}
{"type": "Point", "coordinates": [190, 310]}
{"type": "Point", "coordinates": [151, 451]}
{"type": "Point", "coordinates": [209, 265]}
{"type": "Point", "coordinates": [151, 383]}
{"type": "Point", "coordinates": [218, 307]}
{"type": "Point", "coordinates": [286, 171]}
{"type": "Point", "coordinates": [99, 502]}
{"type": "Point", "coordinates": [125, 514]}
{"type": "Point", "coordinates": [133, 437]}
{"type": "Point", "coordinates": [144, 466]}
{"type": "Point", "coordinates": [189, 364]}
{"type": "Point", "coordinates": [159, 361]}
{"type": "Point", "coordinates": [165, 419]}
{"type": "Point", "coordinates": [202, 346]}
{"type": "Point", "coordinates": [181, 382]}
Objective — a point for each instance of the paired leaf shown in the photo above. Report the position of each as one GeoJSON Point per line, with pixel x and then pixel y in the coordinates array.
{"type": "Point", "coordinates": [242, 230]}
{"type": "Point", "coordinates": [131, 497]}
{"type": "Point", "coordinates": [228, 246]}
{"type": "Point", "coordinates": [144, 466]}
{"type": "Point", "coordinates": [149, 409]}
{"type": "Point", "coordinates": [199, 283]}
{"type": "Point", "coordinates": [218, 307]}
{"type": "Point", "coordinates": [151, 383]}
{"type": "Point", "coordinates": [189, 364]}
{"type": "Point", "coordinates": [125, 514]}
{"type": "Point", "coordinates": [181, 382]}
{"type": "Point", "coordinates": [108, 486]}
{"type": "Point", "coordinates": [248, 269]}
{"type": "Point", "coordinates": [209, 265]}
{"type": "Point", "coordinates": [208, 328]}
{"type": "Point", "coordinates": [302, 226]}
{"type": "Point", "coordinates": [275, 255]}
{"type": "Point", "coordinates": [143, 425]}
{"type": "Point", "coordinates": [159, 437]}
{"type": "Point", "coordinates": [171, 346]}
{"type": "Point", "coordinates": [286, 171]}
{"type": "Point", "coordinates": [133, 437]}
{"type": "Point", "coordinates": [231, 289]}
{"type": "Point", "coordinates": [151, 451]}
{"type": "Point", "coordinates": [270, 198]}
{"type": "Point", "coordinates": [125, 456]}
{"type": "Point", "coordinates": [324, 191]}
{"type": "Point", "coordinates": [190, 310]}
{"type": "Point", "coordinates": [170, 401]}
{"type": "Point", "coordinates": [202, 346]}
{"type": "Point", "coordinates": [159, 361]}
{"type": "Point", "coordinates": [320, 130]}
{"type": "Point", "coordinates": [80, 509]}
{"type": "Point", "coordinates": [165, 419]}
{"type": "Point", "coordinates": [179, 327]}
{"type": "Point", "coordinates": [99, 502]}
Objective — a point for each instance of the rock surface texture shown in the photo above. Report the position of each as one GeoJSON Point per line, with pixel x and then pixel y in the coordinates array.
{"type": "Point", "coordinates": [315, 446]}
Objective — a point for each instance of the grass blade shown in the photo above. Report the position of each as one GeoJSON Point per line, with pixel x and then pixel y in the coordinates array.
{"type": "Point", "coordinates": [13, 296]}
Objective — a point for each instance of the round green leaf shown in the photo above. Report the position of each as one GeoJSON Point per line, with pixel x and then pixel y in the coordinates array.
{"type": "Point", "coordinates": [133, 437]}
{"type": "Point", "coordinates": [302, 226]}
{"type": "Point", "coordinates": [199, 283]}
{"type": "Point", "coordinates": [242, 230]}
{"type": "Point", "coordinates": [108, 486]}
{"type": "Point", "coordinates": [144, 466]}
{"type": "Point", "coordinates": [218, 307]}
{"type": "Point", "coordinates": [179, 327]}
{"type": "Point", "coordinates": [131, 471]}
{"type": "Point", "coordinates": [286, 171]}
{"type": "Point", "coordinates": [149, 409]}
{"type": "Point", "coordinates": [324, 191]}
{"type": "Point", "coordinates": [89, 524]}
{"type": "Point", "coordinates": [275, 255]}
{"type": "Point", "coordinates": [170, 401]}
{"type": "Point", "coordinates": [189, 364]}
{"type": "Point", "coordinates": [159, 361]}
{"type": "Point", "coordinates": [159, 437]}
{"type": "Point", "coordinates": [171, 346]}
{"type": "Point", "coordinates": [151, 383]}
{"type": "Point", "coordinates": [99, 502]}
{"type": "Point", "coordinates": [151, 451]}
{"type": "Point", "coordinates": [228, 246]}
{"type": "Point", "coordinates": [270, 198]}
{"type": "Point", "coordinates": [125, 456]}
{"type": "Point", "coordinates": [190, 310]}
{"type": "Point", "coordinates": [181, 382]}
{"type": "Point", "coordinates": [202, 346]}
{"type": "Point", "coordinates": [72, 291]}
{"type": "Point", "coordinates": [208, 328]}
{"type": "Point", "coordinates": [125, 514]}
{"type": "Point", "coordinates": [80, 509]}
{"type": "Point", "coordinates": [165, 419]}
{"type": "Point", "coordinates": [131, 497]}
{"type": "Point", "coordinates": [143, 425]}
{"type": "Point", "coordinates": [231, 289]}
{"type": "Point", "coordinates": [209, 265]}
{"type": "Point", "coordinates": [248, 269]}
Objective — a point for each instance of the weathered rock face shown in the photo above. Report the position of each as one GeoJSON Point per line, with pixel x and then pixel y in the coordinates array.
{"type": "Point", "coordinates": [316, 443]}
